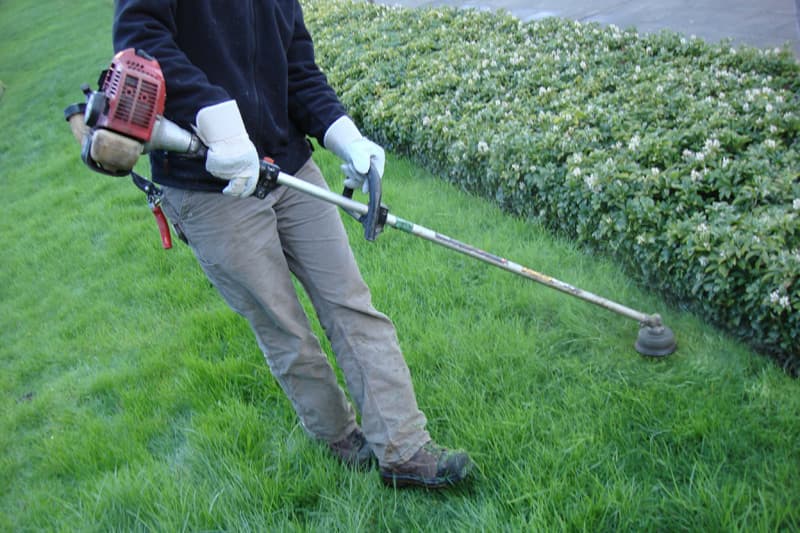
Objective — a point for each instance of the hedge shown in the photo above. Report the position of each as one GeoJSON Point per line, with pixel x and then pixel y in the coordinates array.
{"type": "Point", "coordinates": [678, 157]}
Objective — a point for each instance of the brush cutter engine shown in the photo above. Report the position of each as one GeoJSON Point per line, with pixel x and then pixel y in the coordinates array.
{"type": "Point", "coordinates": [131, 96]}
{"type": "Point", "coordinates": [120, 115]}
{"type": "Point", "coordinates": [123, 118]}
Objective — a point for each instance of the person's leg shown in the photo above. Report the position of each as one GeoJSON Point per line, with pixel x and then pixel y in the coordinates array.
{"type": "Point", "coordinates": [236, 242]}
{"type": "Point", "coordinates": [363, 339]}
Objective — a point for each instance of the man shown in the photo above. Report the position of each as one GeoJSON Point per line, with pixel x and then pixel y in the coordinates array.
{"type": "Point", "coordinates": [243, 75]}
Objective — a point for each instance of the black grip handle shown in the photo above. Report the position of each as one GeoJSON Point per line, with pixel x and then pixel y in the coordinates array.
{"type": "Point", "coordinates": [376, 213]}
{"type": "Point", "coordinates": [267, 178]}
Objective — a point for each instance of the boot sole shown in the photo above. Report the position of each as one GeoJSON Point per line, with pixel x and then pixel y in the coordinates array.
{"type": "Point", "coordinates": [390, 479]}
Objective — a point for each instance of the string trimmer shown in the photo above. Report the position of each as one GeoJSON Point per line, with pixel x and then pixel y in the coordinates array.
{"type": "Point", "coordinates": [123, 120]}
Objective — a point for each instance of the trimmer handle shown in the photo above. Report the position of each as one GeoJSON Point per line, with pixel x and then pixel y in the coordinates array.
{"type": "Point", "coordinates": [375, 218]}
{"type": "Point", "coordinates": [267, 178]}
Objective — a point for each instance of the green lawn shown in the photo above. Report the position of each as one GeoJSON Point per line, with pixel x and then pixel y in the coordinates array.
{"type": "Point", "coordinates": [133, 399]}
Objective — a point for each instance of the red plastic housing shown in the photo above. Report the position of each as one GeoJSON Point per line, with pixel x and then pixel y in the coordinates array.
{"type": "Point", "coordinates": [136, 91]}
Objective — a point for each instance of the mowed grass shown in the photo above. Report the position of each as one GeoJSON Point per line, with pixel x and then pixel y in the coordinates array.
{"type": "Point", "coordinates": [133, 399]}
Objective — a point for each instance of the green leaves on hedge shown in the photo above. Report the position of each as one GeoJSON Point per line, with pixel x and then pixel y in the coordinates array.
{"type": "Point", "coordinates": [677, 156]}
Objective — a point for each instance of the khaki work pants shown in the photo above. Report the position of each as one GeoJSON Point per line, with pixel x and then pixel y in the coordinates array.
{"type": "Point", "coordinates": [249, 249]}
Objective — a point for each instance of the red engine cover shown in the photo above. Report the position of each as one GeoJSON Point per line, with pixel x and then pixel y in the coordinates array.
{"type": "Point", "coordinates": [136, 91]}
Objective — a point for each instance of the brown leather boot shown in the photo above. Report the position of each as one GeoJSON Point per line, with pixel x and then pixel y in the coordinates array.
{"type": "Point", "coordinates": [432, 467]}
{"type": "Point", "coordinates": [354, 451]}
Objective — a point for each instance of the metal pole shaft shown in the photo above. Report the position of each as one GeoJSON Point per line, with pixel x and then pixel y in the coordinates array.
{"type": "Point", "coordinates": [466, 249]}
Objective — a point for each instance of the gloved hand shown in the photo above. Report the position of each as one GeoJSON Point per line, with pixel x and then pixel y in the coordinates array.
{"type": "Point", "coordinates": [343, 139]}
{"type": "Point", "coordinates": [231, 154]}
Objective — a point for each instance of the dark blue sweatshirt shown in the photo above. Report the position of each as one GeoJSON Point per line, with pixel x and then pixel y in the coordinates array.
{"type": "Point", "coordinates": [257, 52]}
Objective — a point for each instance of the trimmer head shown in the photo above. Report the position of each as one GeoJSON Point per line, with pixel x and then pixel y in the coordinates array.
{"type": "Point", "coordinates": [655, 341]}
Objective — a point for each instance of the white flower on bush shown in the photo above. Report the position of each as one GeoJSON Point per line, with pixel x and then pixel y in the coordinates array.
{"type": "Point", "coordinates": [711, 145]}
{"type": "Point", "coordinates": [796, 204]}
{"type": "Point", "coordinates": [771, 144]}
{"type": "Point", "coordinates": [782, 301]}
{"type": "Point", "coordinates": [426, 121]}
{"type": "Point", "coordinates": [634, 143]}
{"type": "Point", "coordinates": [483, 147]}
{"type": "Point", "coordinates": [591, 182]}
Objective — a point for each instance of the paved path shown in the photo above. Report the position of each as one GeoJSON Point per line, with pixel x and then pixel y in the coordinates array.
{"type": "Point", "coordinates": [760, 23]}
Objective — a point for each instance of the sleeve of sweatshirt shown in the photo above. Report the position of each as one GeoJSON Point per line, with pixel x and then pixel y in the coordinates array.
{"type": "Point", "coordinates": [313, 104]}
{"type": "Point", "coordinates": [150, 25]}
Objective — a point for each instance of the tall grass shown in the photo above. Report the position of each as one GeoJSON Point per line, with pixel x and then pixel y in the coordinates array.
{"type": "Point", "coordinates": [133, 399]}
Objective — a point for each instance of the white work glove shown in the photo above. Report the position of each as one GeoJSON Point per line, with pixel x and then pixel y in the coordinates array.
{"type": "Point", "coordinates": [343, 139]}
{"type": "Point", "coordinates": [231, 154]}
